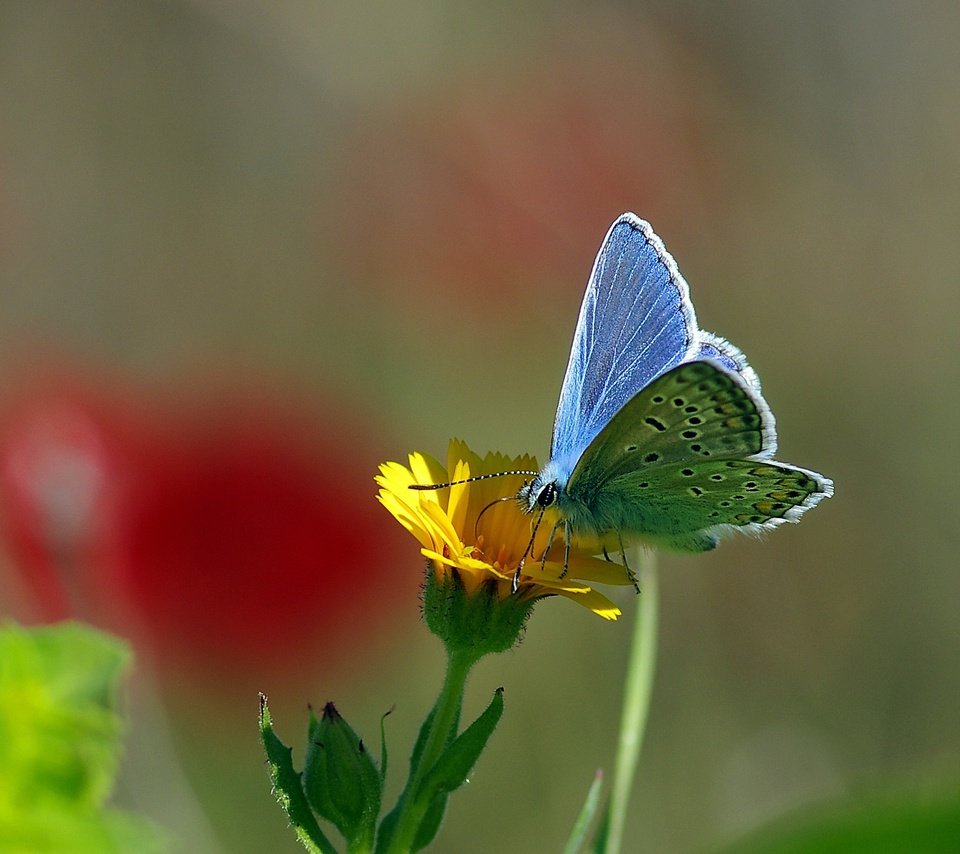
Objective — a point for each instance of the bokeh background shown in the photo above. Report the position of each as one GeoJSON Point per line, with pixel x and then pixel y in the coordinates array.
{"type": "Point", "coordinates": [248, 250]}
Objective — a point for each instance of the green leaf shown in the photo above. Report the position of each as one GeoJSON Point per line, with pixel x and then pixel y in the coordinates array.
{"type": "Point", "coordinates": [60, 743]}
{"type": "Point", "coordinates": [588, 812]}
{"type": "Point", "coordinates": [58, 705]}
{"type": "Point", "coordinates": [288, 789]}
{"type": "Point", "coordinates": [55, 830]}
{"type": "Point", "coordinates": [389, 822]}
{"type": "Point", "coordinates": [387, 827]}
{"type": "Point", "coordinates": [422, 736]}
{"type": "Point", "coordinates": [865, 825]}
{"type": "Point", "coordinates": [599, 845]}
{"type": "Point", "coordinates": [430, 823]}
{"type": "Point", "coordinates": [453, 767]}
{"type": "Point", "coordinates": [383, 747]}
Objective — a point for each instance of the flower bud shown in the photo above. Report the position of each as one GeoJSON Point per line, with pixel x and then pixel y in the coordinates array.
{"type": "Point", "coordinates": [341, 781]}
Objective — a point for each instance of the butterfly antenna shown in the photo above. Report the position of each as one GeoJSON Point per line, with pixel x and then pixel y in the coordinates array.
{"type": "Point", "coordinates": [428, 486]}
{"type": "Point", "coordinates": [476, 525]}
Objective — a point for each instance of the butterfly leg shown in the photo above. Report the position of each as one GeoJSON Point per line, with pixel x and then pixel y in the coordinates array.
{"type": "Point", "coordinates": [566, 548]}
{"type": "Point", "coordinates": [515, 584]}
{"type": "Point", "coordinates": [623, 560]}
{"type": "Point", "coordinates": [550, 539]}
{"type": "Point", "coordinates": [523, 558]}
{"type": "Point", "coordinates": [630, 573]}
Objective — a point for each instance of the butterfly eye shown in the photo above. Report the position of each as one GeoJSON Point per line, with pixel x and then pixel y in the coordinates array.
{"type": "Point", "coordinates": [547, 495]}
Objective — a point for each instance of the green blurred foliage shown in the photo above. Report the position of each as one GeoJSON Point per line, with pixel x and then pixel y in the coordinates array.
{"type": "Point", "coordinates": [867, 824]}
{"type": "Point", "coordinates": [60, 744]}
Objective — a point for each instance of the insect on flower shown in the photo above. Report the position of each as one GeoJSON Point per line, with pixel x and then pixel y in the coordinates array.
{"type": "Point", "coordinates": [662, 435]}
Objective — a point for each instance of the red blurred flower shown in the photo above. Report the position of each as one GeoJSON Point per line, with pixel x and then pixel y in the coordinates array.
{"type": "Point", "coordinates": [226, 533]}
{"type": "Point", "coordinates": [66, 452]}
{"type": "Point", "coordinates": [501, 183]}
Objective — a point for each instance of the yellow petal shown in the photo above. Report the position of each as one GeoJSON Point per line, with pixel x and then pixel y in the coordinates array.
{"type": "Point", "coordinates": [596, 602]}
{"type": "Point", "coordinates": [412, 523]}
{"type": "Point", "coordinates": [441, 528]}
{"type": "Point", "coordinates": [593, 569]}
{"type": "Point", "coordinates": [459, 500]}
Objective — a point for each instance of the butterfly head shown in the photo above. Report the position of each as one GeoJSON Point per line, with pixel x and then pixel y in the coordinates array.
{"type": "Point", "coordinates": [541, 492]}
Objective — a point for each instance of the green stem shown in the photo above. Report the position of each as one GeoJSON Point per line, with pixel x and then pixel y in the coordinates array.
{"type": "Point", "coordinates": [636, 702]}
{"type": "Point", "coordinates": [362, 846]}
{"type": "Point", "coordinates": [445, 713]}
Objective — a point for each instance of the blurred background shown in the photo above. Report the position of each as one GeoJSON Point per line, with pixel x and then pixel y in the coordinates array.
{"type": "Point", "coordinates": [249, 250]}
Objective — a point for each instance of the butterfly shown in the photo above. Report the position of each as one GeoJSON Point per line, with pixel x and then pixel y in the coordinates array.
{"type": "Point", "coordinates": [662, 434]}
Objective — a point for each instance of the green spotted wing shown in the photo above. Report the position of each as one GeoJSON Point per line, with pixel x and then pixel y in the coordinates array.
{"type": "Point", "coordinates": [687, 458]}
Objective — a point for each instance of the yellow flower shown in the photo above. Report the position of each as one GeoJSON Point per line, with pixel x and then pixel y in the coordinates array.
{"type": "Point", "coordinates": [469, 528]}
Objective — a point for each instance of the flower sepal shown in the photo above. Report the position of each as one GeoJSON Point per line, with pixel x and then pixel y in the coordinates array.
{"type": "Point", "coordinates": [476, 622]}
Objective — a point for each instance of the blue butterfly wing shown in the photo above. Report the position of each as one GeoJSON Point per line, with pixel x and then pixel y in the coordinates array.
{"type": "Point", "coordinates": [636, 322]}
{"type": "Point", "coordinates": [720, 350]}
